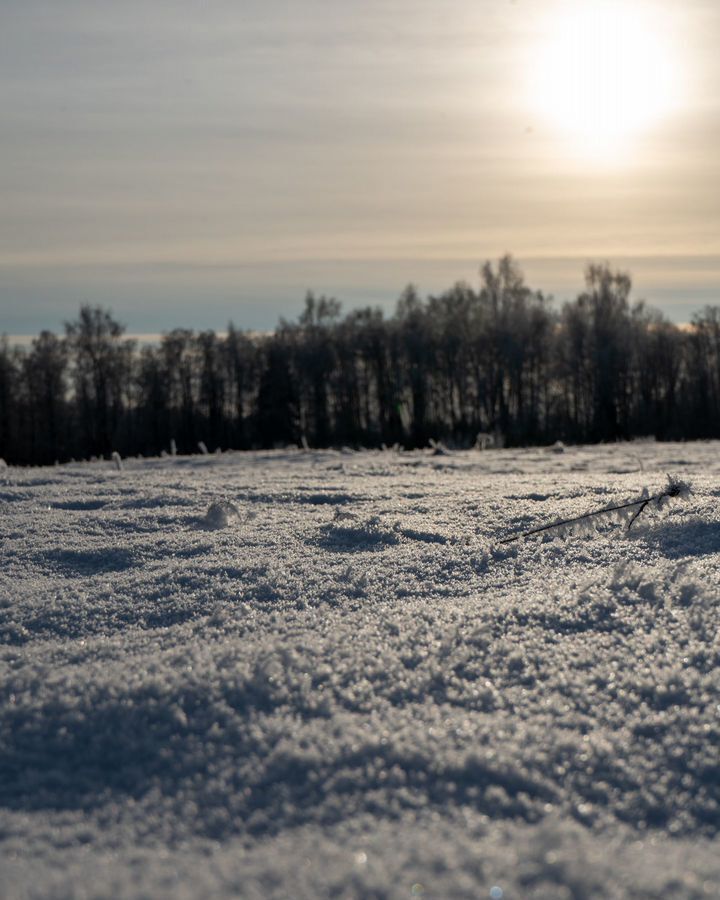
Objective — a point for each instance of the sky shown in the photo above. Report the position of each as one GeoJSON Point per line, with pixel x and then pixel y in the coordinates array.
{"type": "Point", "coordinates": [188, 163]}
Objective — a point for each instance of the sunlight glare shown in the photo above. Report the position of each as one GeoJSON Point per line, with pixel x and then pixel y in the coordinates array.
{"type": "Point", "coordinates": [604, 75]}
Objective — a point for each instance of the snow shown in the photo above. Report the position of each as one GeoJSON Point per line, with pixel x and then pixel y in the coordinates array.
{"type": "Point", "coordinates": [321, 675]}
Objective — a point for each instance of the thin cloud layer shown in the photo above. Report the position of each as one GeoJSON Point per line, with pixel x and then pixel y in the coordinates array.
{"type": "Point", "coordinates": [271, 135]}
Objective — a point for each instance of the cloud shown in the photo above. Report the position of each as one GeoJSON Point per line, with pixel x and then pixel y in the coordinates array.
{"type": "Point", "coordinates": [265, 134]}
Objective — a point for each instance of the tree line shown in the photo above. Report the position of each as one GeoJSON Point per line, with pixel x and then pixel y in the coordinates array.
{"type": "Point", "coordinates": [499, 361]}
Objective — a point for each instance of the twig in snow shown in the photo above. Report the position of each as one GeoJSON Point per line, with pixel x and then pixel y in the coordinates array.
{"type": "Point", "coordinates": [674, 488]}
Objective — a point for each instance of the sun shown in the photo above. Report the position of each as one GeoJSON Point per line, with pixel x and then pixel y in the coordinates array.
{"type": "Point", "coordinates": [604, 75]}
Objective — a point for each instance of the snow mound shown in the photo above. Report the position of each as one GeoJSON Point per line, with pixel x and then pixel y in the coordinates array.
{"type": "Point", "coordinates": [221, 514]}
{"type": "Point", "coordinates": [348, 533]}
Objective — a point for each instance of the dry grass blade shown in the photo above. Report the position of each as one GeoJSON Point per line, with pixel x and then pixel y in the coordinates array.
{"type": "Point", "coordinates": [674, 488]}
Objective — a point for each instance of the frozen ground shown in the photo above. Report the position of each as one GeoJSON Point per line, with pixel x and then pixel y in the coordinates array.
{"type": "Point", "coordinates": [318, 675]}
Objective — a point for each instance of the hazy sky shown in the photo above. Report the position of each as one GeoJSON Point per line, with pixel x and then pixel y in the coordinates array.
{"type": "Point", "coordinates": [186, 163]}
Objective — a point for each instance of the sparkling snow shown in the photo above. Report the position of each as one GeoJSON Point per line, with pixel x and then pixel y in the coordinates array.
{"type": "Point", "coordinates": [301, 674]}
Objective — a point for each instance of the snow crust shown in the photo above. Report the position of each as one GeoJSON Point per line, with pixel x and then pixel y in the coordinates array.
{"type": "Point", "coordinates": [301, 674]}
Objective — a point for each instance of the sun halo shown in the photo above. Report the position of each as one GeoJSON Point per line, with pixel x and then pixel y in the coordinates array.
{"type": "Point", "coordinates": [604, 75]}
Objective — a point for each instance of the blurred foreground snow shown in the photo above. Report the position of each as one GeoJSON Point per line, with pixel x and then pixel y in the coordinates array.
{"type": "Point", "coordinates": [318, 675]}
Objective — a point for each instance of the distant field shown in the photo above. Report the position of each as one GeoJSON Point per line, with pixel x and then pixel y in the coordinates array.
{"type": "Point", "coordinates": [320, 675]}
{"type": "Point", "coordinates": [25, 340]}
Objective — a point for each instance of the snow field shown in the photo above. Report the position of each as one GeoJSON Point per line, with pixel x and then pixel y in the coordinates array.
{"type": "Point", "coordinates": [318, 674]}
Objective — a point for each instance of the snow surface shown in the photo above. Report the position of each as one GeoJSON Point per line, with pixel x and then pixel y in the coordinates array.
{"type": "Point", "coordinates": [319, 675]}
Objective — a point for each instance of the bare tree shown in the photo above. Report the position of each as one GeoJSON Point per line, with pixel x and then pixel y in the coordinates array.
{"type": "Point", "coordinates": [101, 370]}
